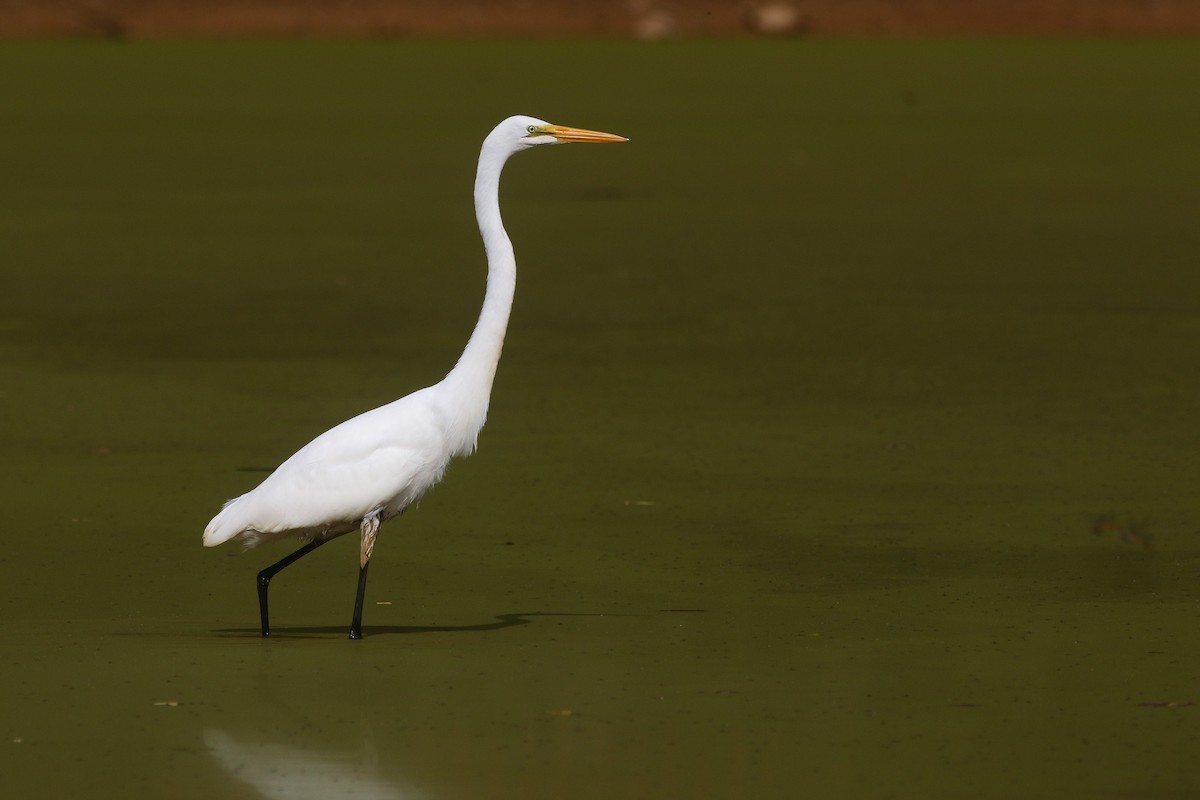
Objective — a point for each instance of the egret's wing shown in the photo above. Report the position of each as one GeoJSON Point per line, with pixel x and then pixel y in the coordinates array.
{"type": "Point", "coordinates": [322, 493]}
{"type": "Point", "coordinates": [383, 459]}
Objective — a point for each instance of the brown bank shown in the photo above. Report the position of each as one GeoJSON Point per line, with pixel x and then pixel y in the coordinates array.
{"type": "Point", "coordinates": [648, 19]}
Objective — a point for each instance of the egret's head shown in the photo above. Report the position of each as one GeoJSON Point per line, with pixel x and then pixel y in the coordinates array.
{"type": "Point", "coordinates": [524, 132]}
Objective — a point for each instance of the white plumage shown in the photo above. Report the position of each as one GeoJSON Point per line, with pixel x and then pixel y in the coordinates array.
{"type": "Point", "coordinates": [370, 468]}
{"type": "Point", "coordinates": [376, 464]}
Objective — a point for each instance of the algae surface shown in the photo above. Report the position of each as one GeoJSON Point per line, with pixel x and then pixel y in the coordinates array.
{"type": "Point", "coordinates": [845, 442]}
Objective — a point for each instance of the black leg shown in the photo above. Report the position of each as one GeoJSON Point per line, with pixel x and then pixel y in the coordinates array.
{"type": "Point", "coordinates": [356, 623]}
{"type": "Point", "coordinates": [264, 578]}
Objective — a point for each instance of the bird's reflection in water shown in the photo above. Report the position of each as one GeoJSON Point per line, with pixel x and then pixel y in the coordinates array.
{"type": "Point", "coordinates": [284, 771]}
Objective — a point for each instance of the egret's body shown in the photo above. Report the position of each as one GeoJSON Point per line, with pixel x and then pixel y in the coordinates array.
{"type": "Point", "coordinates": [370, 468]}
{"type": "Point", "coordinates": [374, 465]}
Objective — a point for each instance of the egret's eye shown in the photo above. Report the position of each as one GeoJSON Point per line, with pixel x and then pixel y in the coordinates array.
{"type": "Point", "coordinates": [532, 129]}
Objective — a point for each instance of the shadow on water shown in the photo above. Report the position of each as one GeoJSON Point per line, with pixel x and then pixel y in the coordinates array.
{"type": "Point", "coordinates": [502, 621]}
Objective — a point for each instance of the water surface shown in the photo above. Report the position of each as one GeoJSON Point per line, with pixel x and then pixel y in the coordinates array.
{"type": "Point", "coordinates": [845, 442]}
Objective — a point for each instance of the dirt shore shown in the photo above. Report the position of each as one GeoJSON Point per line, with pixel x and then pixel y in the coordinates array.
{"type": "Point", "coordinates": [648, 19]}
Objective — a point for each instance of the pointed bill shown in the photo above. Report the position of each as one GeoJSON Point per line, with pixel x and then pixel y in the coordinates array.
{"type": "Point", "coordinates": [565, 133]}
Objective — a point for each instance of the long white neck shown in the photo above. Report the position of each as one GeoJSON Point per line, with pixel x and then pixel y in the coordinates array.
{"type": "Point", "coordinates": [469, 384]}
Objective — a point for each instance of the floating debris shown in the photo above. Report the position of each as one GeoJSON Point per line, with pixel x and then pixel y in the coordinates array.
{"type": "Point", "coordinates": [168, 703]}
{"type": "Point", "coordinates": [1128, 532]}
{"type": "Point", "coordinates": [1166, 704]}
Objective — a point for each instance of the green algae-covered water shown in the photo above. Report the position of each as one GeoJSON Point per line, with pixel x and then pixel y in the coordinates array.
{"type": "Point", "coordinates": [845, 444]}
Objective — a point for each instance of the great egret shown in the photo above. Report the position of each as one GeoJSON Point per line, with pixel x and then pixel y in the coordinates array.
{"type": "Point", "coordinates": [371, 467]}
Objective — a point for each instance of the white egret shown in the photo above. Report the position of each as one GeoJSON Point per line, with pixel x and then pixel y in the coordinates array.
{"type": "Point", "coordinates": [372, 467]}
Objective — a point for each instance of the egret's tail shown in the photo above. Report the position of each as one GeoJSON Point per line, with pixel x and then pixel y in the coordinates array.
{"type": "Point", "coordinates": [225, 525]}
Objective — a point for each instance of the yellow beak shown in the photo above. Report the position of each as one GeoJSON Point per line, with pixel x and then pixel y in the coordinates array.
{"type": "Point", "coordinates": [567, 134]}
